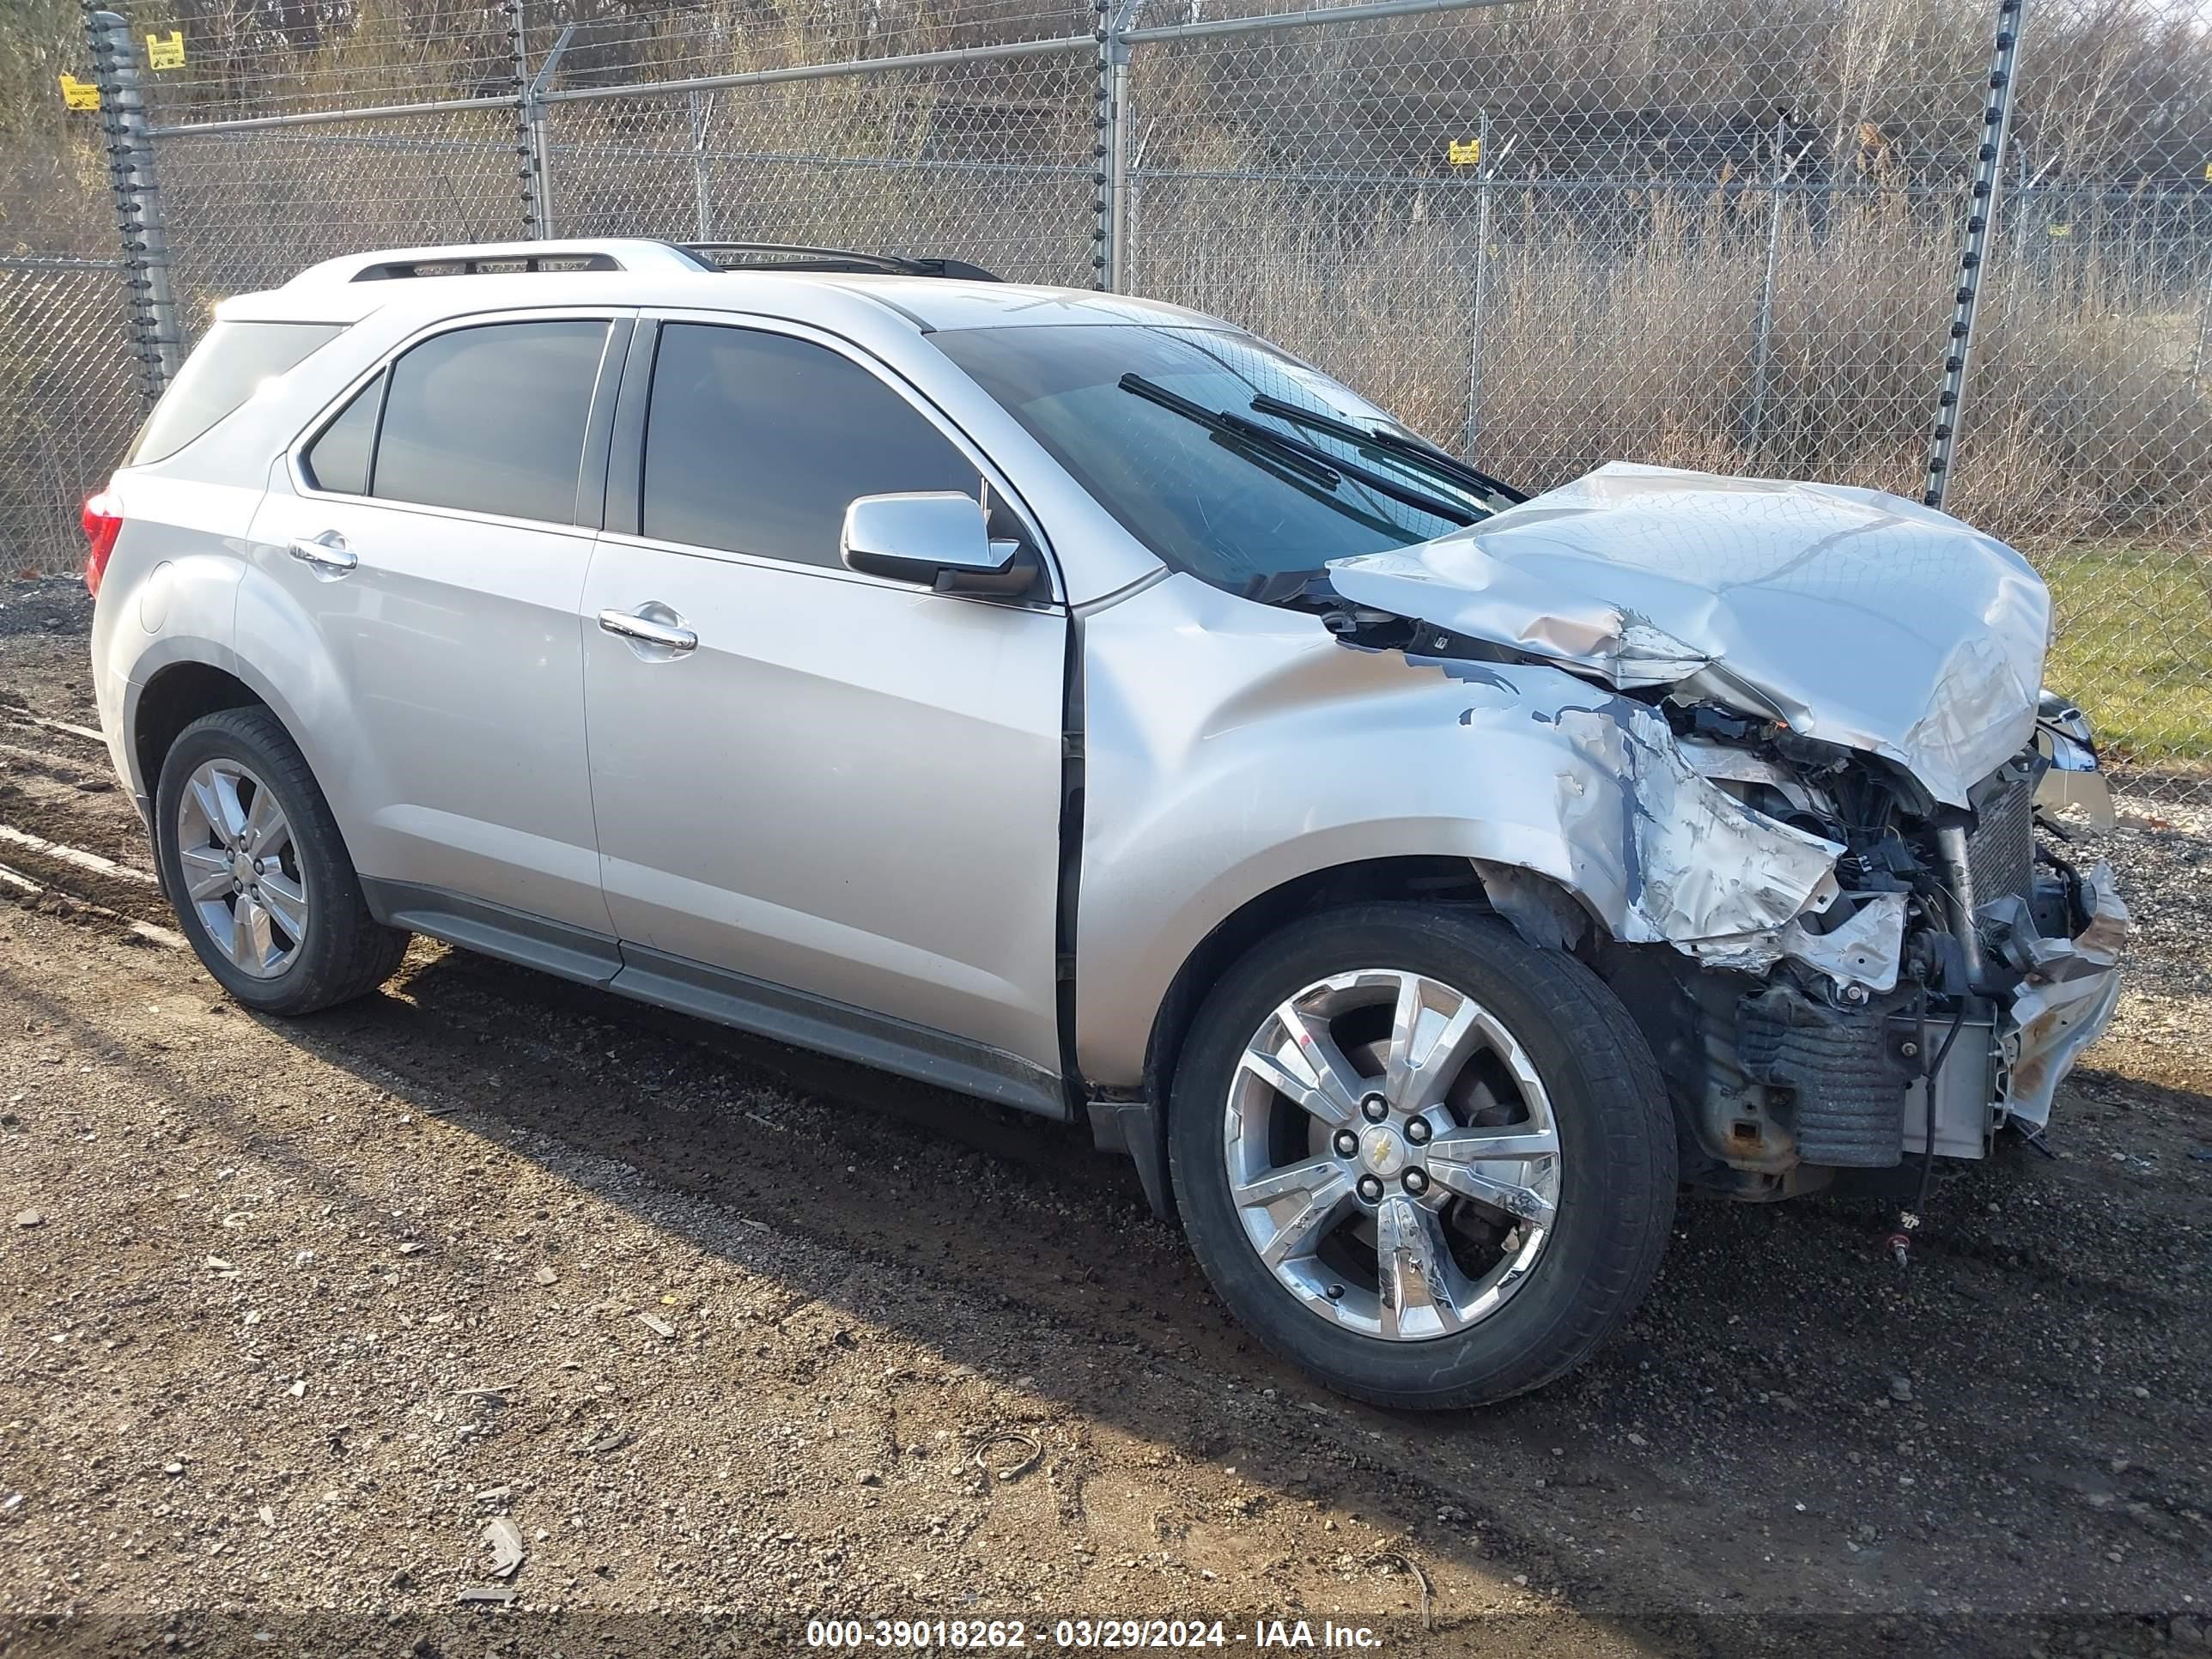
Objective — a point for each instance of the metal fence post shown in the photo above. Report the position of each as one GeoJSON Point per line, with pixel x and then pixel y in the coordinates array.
{"type": "Point", "coordinates": [1105, 145]}
{"type": "Point", "coordinates": [1116, 132]}
{"type": "Point", "coordinates": [1996, 121]}
{"type": "Point", "coordinates": [537, 147]}
{"type": "Point", "coordinates": [1762, 351]}
{"type": "Point", "coordinates": [702, 197]}
{"type": "Point", "coordinates": [156, 341]}
{"type": "Point", "coordinates": [2196, 357]}
{"type": "Point", "coordinates": [525, 149]}
{"type": "Point", "coordinates": [1481, 301]}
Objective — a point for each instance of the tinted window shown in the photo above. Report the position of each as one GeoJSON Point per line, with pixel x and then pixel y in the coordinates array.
{"type": "Point", "coordinates": [491, 419]}
{"type": "Point", "coordinates": [338, 459]}
{"type": "Point", "coordinates": [220, 376]}
{"type": "Point", "coordinates": [1232, 513]}
{"type": "Point", "coordinates": [757, 443]}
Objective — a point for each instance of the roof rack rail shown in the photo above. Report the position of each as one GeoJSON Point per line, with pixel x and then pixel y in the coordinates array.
{"type": "Point", "coordinates": [787, 256]}
{"type": "Point", "coordinates": [485, 264]}
{"type": "Point", "coordinates": [635, 253]}
{"type": "Point", "coordinates": [631, 254]}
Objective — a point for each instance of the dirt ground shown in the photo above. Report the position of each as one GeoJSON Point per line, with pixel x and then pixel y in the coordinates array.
{"type": "Point", "coordinates": [291, 1314]}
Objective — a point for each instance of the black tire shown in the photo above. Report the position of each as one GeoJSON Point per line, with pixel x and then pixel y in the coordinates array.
{"type": "Point", "coordinates": [1617, 1169]}
{"type": "Point", "coordinates": [347, 953]}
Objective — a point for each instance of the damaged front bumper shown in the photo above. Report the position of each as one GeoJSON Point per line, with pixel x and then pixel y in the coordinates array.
{"type": "Point", "coordinates": [1801, 1082]}
{"type": "Point", "coordinates": [2067, 990]}
{"type": "Point", "coordinates": [2007, 1062]}
{"type": "Point", "coordinates": [1786, 1077]}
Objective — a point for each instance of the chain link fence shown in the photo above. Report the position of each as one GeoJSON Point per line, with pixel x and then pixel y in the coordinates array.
{"type": "Point", "coordinates": [248, 209]}
{"type": "Point", "coordinates": [69, 400]}
{"type": "Point", "coordinates": [72, 383]}
{"type": "Point", "coordinates": [989, 160]}
{"type": "Point", "coordinates": [1550, 233]}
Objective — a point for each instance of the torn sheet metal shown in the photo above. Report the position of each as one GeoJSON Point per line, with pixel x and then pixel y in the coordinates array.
{"type": "Point", "coordinates": [1864, 950]}
{"type": "Point", "coordinates": [1539, 912]}
{"type": "Point", "coordinates": [1727, 763]}
{"type": "Point", "coordinates": [1701, 870]}
{"type": "Point", "coordinates": [2071, 988]}
{"type": "Point", "coordinates": [1858, 617]}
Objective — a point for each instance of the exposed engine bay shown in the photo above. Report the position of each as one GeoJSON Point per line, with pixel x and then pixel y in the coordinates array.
{"type": "Point", "coordinates": [1940, 992]}
{"type": "Point", "coordinates": [1824, 865]}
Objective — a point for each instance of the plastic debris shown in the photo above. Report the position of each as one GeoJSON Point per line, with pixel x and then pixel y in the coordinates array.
{"type": "Point", "coordinates": [504, 1538]}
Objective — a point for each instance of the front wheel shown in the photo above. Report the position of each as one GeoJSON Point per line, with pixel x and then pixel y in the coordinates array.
{"type": "Point", "coordinates": [1427, 1162]}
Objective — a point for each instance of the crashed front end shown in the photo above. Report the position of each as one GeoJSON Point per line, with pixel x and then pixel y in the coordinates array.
{"type": "Point", "coordinates": [1802, 811]}
{"type": "Point", "coordinates": [1942, 976]}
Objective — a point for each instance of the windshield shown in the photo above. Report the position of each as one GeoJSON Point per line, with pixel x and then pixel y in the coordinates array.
{"type": "Point", "coordinates": [1225, 457]}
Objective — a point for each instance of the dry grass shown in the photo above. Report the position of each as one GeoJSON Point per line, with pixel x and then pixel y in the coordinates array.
{"type": "Point", "coordinates": [2085, 418]}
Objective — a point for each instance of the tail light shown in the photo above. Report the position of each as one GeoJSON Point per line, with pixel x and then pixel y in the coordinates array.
{"type": "Point", "coordinates": [103, 523]}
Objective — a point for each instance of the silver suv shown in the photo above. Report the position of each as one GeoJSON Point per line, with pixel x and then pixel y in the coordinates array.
{"type": "Point", "coordinates": [1081, 704]}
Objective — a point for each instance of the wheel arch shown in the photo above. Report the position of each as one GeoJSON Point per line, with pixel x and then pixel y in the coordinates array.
{"type": "Point", "coordinates": [1440, 879]}
{"type": "Point", "coordinates": [183, 679]}
{"type": "Point", "coordinates": [176, 695]}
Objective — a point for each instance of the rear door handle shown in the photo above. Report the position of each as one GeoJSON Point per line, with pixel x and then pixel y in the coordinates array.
{"type": "Point", "coordinates": [325, 555]}
{"type": "Point", "coordinates": [653, 624]}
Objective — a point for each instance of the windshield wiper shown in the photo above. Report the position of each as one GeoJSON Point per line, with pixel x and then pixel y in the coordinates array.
{"type": "Point", "coordinates": [1416, 449]}
{"type": "Point", "coordinates": [1302, 458]}
{"type": "Point", "coordinates": [1318, 463]}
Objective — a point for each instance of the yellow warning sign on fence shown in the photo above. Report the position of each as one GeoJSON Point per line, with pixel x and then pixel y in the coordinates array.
{"type": "Point", "coordinates": [166, 53]}
{"type": "Point", "coordinates": [79, 94]}
{"type": "Point", "coordinates": [1464, 152]}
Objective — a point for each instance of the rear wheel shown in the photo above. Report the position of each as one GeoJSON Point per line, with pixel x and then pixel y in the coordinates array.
{"type": "Point", "coordinates": [254, 866]}
{"type": "Point", "coordinates": [1423, 1159]}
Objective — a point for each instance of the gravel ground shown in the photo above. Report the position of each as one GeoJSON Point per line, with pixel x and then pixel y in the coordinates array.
{"type": "Point", "coordinates": [301, 1323]}
{"type": "Point", "coordinates": [44, 605]}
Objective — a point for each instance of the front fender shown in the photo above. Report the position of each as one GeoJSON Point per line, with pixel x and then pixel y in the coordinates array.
{"type": "Point", "coordinates": [1231, 748]}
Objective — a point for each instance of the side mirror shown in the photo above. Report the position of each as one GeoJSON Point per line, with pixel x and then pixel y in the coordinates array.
{"type": "Point", "coordinates": [937, 539]}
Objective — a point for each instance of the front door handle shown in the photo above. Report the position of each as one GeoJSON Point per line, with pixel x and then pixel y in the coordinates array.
{"type": "Point", "coordinates": [653, 624]}
{"type": "Point", "coordinates": [325, 555]}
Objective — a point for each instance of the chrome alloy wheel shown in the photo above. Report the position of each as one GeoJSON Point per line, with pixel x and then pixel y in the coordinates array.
{"type": "Point", "coordinates": [241, 873]}
{"type": "Point", "coordinates": [1392, 1154]}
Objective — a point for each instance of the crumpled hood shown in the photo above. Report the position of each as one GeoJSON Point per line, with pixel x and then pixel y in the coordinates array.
{"type": "Point", "coordinates": [1859, 618]}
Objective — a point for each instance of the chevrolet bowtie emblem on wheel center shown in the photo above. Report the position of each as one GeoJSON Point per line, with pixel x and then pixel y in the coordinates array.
{"type": "Point", "coordinates": [1382, 1149]}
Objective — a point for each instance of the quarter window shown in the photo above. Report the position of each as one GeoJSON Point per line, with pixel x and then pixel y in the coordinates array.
{"type": "Point", "coordinates": [491, 419]}
{"type": "Point", "coordinates": [226, 369]}
{"type": "Point", "coordinates": [338, 459]}
{"type": "Point", "coordinates": [756, 443]}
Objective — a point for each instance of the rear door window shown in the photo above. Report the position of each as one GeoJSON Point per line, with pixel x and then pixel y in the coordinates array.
{"type": "Point", "coordinates": [490, 419]}
{"type": "Point", "coordinates": [757, 442]}
{"type": "Point", "coordinates": [226, 368]}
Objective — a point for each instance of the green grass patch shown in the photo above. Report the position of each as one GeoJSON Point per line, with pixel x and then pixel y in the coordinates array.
{"type": "Point", "coordinates": [2134, 650]}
